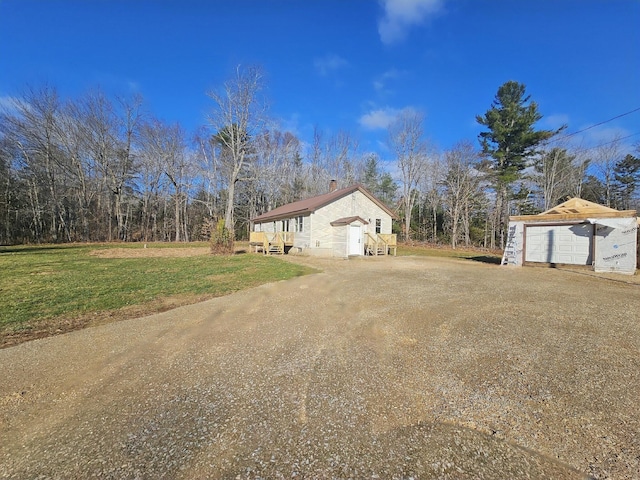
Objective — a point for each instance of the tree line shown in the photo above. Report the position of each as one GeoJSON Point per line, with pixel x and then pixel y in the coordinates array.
{"type": "Point", "coordinates": [96, 168]}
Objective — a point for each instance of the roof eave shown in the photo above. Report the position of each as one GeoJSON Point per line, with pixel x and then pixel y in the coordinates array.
{"type": "Point", "coordinates": [281, 216]}
{"type": "Point", "coordinates": [545, 217]}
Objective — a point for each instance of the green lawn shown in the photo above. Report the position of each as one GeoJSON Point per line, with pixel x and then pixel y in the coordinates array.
{"type": "Point", "coordinates": [57, 281]}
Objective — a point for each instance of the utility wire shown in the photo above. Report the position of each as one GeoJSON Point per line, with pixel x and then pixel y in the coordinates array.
{"type": "Point", "coordinates": [596, 125]}
{"type": "Point", "coordinates": [580, 150]}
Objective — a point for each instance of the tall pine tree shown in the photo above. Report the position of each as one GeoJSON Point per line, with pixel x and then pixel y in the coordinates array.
{"type": "Point", "coordinates": [509, 144]}
{"type": "Point", "coordinates": [626, 175]}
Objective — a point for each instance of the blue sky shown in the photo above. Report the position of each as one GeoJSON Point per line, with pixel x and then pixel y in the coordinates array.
{"type": "Point", "coordinates": [340, 64]}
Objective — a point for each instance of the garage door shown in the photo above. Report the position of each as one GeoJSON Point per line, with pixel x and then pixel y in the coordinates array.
{"type": "Point", "coordinates": [570, 244]}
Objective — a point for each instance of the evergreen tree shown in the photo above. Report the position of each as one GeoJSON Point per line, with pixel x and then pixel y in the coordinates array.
{"type": "Point", "coordinates": [626, 175]}
{"type": "Point", "coordinates": [388, 189]}
{"type": "Point", "coordinates": [381, 184]}
{"type": "Point", "coordinates": [509, 142]}
{"type": "Point", "coordinates": [593, 190]}
{"type": "Point", "coordinates": [371, 174]}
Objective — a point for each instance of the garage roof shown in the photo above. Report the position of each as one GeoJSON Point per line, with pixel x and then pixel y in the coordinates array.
{"type": "Point", "coordinates": [576, 209]}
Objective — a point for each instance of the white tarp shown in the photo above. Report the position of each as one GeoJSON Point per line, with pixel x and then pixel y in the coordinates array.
{"type": "Point", "coordinates": [616, 243]}
{"type": "Point", "coordinates": [612, 222]}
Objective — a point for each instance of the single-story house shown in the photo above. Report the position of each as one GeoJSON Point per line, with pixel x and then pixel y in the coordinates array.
{"type": "Point", "coordinates": [343, 222]}
{"type": "Point", "coordinates": [576, 232]}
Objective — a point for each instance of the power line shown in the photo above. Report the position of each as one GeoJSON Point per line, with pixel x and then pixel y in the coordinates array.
{"type": "Point", "coordinates": [606, 143]}
{"type": "Point", "coordinates": [596, 125]}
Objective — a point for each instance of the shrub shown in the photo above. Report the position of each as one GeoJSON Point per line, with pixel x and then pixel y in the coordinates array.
{"type": "Point", "coordinates": [221, 239]}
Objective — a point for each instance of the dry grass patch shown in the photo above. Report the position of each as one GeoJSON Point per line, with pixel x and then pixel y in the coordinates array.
{"type": "Point", "coordinates": [149, 252]}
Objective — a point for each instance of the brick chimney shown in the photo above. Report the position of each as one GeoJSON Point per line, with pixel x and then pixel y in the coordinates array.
{"type": "Point", "coordinates": [333, 186]}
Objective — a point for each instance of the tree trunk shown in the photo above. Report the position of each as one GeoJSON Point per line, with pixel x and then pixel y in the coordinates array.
{"type": "Point", "coordinates": [228, 216]}
{"type": "Point", "coordinates": [454, 227]}
{"type": "Point", "coordinates": [435, 224]}
{"type": "Point", "coordinates": [177, 214]}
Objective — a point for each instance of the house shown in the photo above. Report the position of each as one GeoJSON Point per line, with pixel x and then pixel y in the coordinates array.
{"type": "Point", "coordinates": [343, 222]}
{"type": "Point", "coordinates": [576, 232]}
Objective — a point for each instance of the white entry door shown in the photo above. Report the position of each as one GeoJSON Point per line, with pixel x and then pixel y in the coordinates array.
{"type": "Point", "coordinates": [355, 240]}
{"type": "Point", "coordinates": [569, 244]}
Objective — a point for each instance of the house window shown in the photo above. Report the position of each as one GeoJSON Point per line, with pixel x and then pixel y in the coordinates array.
{"type": "Point", "coordinates": [285, 225]}
{"type": "Point", "coordinates": [378, 225]}
{"type": "Point", "coordinates": [299, 224]}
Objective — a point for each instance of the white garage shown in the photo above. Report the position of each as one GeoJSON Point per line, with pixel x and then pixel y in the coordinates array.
{"type": "Point", "coordinates": [569, 243]}
{"type": "Point", "coordinates": [576, 232]}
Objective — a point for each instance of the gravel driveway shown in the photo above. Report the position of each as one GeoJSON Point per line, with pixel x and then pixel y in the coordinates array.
{"type": "Point", "coordinates": [377, 368]}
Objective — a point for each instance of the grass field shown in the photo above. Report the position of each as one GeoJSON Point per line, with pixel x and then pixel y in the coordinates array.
{"type": "Point", "coordinates": [63, 287]}
{"type": "Point", "coordinates": [49, 289]}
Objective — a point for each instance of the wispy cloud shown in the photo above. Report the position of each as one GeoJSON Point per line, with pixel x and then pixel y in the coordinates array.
{"type": "Point", "coordinates": [117, 83]}
{"type": "Point", "coordinates": [555, 121]}
{"type": "Point", "coordinates": [329, 63]}
{"type": "Point", "coordinates": [381, 118]}
{"type": "Point", "coordinates": [8, 104]}
{"type": "Point", "coordinates": [381, 81]}
{"type": "Point", "coordinates": [588, 139]}
{"type": "Point", "coordinates": [602, 135]}
{"type": "Point", "coordinates": [133, 86]}
{"type": "Point", "coordinates": [401, 15]}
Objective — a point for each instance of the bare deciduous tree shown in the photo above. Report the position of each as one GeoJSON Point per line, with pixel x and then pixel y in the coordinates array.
{"type": "Point", "coordinates": [406, 140]}
{"type": "Point", "coordinates": [332, 157]}
{"type": "Point", "coordinates": [555, 175]}
{"type": "Point", "coordinates": [273, 169]}
{"type": "Point", "coordinates": [605, 159]}
{"type": "Point", "coordinates": [166, 145]}
{"type": "Point", "coordinates": [461, 185]}
{"type": "Point", "coordinates": [239, 115]}
{"type": "Point", "coordinates": [34, 128]}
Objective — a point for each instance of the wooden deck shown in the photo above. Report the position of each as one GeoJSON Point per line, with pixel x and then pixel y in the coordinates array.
{"type": "Point", "coordinates": [276, 242]}
{"type": "Point", "coordinates": [270, 242]}
{"type": "Point", "coordinates": [380, 244]}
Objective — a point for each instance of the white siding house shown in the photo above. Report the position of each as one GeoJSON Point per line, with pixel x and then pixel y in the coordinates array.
{"type": "Point", "coordinates": [340, 223]}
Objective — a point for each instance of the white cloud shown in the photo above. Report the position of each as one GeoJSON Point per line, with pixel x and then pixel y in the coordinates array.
{"type": "Point", "coordinates": [586, 137]}
{"type": "Point", "coordinates": [329, 63]}
{"type": "Point", "coordinates": [601, 135]}
{"type": "Point", "coordinates": [378, 119]}
{"type": "Point", "coordinates": [381, 118]}
{"type": "Point", "coordinates": [400, 15]}
{"type": "Point", "coordinates": [554, 122]}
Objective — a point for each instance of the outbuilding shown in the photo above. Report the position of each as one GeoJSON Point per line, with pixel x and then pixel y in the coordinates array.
{"type": "Point", "coordinates": [576, 232]}
{"type": "Point", "coordinates": [340, 223]}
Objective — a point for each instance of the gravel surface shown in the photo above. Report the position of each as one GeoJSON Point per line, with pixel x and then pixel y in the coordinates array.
{"type": "Point", "coordinates": [377, 368]}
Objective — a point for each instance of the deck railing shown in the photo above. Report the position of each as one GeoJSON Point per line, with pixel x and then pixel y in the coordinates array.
{"type": "Point", "coordinates": [380, 243]}
{"type": "Point", "coordinates": [270, 242]}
